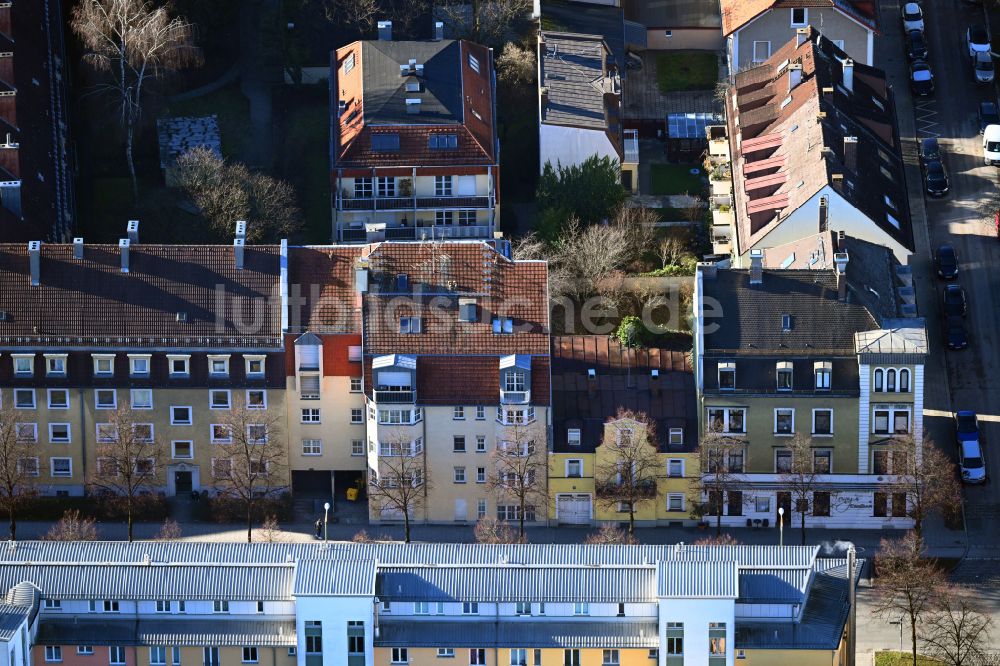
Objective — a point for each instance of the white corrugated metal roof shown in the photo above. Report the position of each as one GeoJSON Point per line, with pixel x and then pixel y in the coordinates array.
{"type": "Point", "coordinates": [698, 579]}
{"type": "Point", "coordinates": [351, 578]}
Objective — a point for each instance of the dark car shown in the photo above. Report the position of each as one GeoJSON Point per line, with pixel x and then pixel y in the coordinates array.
{"type": "Point", "coordinates": [935, 179]}
{"type": "Point", "coordinates": [954, 333]}
{"type": "Point", "coordinates": [977, 39]}
{"type": "Point", "coordinates": [946, 261]}
{"type": "Point", "coordinates": [929, 150]}
{"type": "Point", "coordinates": [916, 45]}
{"type": "Point", "coordinates": [921, 78]}
{"type": "Point", "coordinates": [955, 304]}
{"type": "Point", "coordinates": [988, 115]}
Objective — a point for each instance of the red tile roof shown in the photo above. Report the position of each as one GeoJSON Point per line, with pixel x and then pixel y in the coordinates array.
{"type": "Point", "coordinates": [737, 13]}
{"type": "Point", "coordinates": [322, 296]}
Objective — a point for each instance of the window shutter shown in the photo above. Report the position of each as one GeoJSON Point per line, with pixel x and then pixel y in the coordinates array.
{"type": "Point", "coordinates": [309, 385]}
{"type": "Point", "coordinates": [309, 357]}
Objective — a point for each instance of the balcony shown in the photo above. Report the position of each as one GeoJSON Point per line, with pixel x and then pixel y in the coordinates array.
{"type": "Point", "coordinates": [515, 397]}
{"type": "Point", "coordinates": [644, 488]}
{"type": "Point", "coordinates": [395, 397]}
{"type": "Point", "coordinates": [631, 147]}
{"type": "Point", "coordinates": [413, 202]}
{"type": "Point", "coordinates": [423, 231]}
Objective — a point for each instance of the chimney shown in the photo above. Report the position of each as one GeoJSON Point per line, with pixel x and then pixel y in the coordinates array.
{"type": "Point", "coordinates": [654, 381]}
{"type": "Point", "coordinates": [385, 31]}
{"type": "Point", "coordinates": [544, 92]}
{"type": "Point", "coordinates": [840, 261]}
{"type": "Point", "coordinates": [849, 75]}
{"type": "Point", "coordinates": [123, 246]}
{"type": "Point", "coordinates": [438, 31]}
{"type": "Point", "coordinates": [78, 248]}
{"type": "Point", "coordinates": [592, 382]}
{"type": "Point", "coordinates": [851, 153]}
{"type": "Point", "coordinates": [133, 231]}
{"type": "Point", "coordinates": [801, 35]}
{"type": "Point", "coordinates": [35, 261]}
{"type": "Point", "coordinates": [241, 229]}
{"type": "Point", "coordinates": [794, 75]}
{"type": "Point", "coordinates": [238, 249]}
{"type": "Point", "coordinates": [756, 266]}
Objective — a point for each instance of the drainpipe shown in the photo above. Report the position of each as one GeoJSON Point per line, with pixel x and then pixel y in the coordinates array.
{"type": "Point", "coordinates": [83, 437]}
{"type": "Point", "coordinates": [852, 596]}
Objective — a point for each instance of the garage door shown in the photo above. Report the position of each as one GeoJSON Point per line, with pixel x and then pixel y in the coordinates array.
{"type": "Point", "coordinates": [573, 509]}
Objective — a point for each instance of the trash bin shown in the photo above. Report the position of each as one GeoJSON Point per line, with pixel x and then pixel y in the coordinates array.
{"type": "Point", "coordinates": [352, 494]}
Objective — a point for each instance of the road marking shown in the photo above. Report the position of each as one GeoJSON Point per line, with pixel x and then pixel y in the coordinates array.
{"type": "Point", "coordinates": [939, 413]}
{"type": "Point", "coordinates": [923, 111]}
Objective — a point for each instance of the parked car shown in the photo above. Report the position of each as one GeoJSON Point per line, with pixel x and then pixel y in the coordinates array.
{"type": "Point", "coordinates": [913, 17]}
{"type": "Point", "coordinates": [946, 261]}
{"type": "Point", "coordinates": [988, 115]}
{"type": "Point", "coordinates": [971, 460]}
{"type": "Point", "coordinates": [955, 333]}
{"type": "Point", "coordinates": [921, 78]}
{"type": "Point", "coordinates": [935, 179]}
{"type": "Point", "coordinates": [955, 304]}
{"type": "Point", "coordinates": [977, 39]}
{"type": "Point", "coordinates": [982, 67]}
{"type": "Point", "coordinates": [991, 145]}
{"type": "Point", "coordinates": [916, 45]}
{"type": "Point", "coordinates": [929, 150]}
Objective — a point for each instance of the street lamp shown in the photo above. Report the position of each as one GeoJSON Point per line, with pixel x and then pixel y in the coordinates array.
{"type": "Point", "coordinates": [326, 514]}
{"type": "Point", "coordinates": [900, 623]}
{"type": "Point", "coordinates": [781, 526]}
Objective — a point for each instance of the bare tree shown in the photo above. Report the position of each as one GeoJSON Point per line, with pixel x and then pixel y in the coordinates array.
{"type": "Point", "coordinates": [802, 479]}
{"type": "Point", "coordinates": [906, 583]}
{"type": "Point", "coordinates": [627, 464]}
{"type": "Point", "coordinates": [270, 530]}
{"type": "Point", "coordinates": [250, 463]}
{"type": "Point", "coordinates": [718, 540]}
{"type": "Point", "coordinates": [169, 531]}
{"type": "Point", "coordinates": [225, 191]}
{"type": "Point", "coordinates": [722, 462]}
{"type": "Point", "coordinates": [637, 228]}
{"type": "Point", "coordinates": [517, 68]}
{"type": "Point", "coordinates": [610, 534]}
{"type": "Point", "coordinates": [401, 483]}
{"type": "Point", "coordinates": [129, 459]}
{"type": "Point", "coordinates": [132, 41]}
{"type": "Point", "coordinates": [519, 470]}
{"type": "Point", "coordinates": [18, 466]}
{"type": "Point", "coordinates": [361, 14]}
{"type": "Point", "coordinates": [956, 631]}
{"type": "Point", "coordinates": [491, 530]}
{"type": "Point", "coordinates": [486, 22]}
{"type": "Point", "coordinates": [926, 476]}
{"type": "Point", "coordinates": [670, 250]}
{"type": "Point", "coordinates": [71, 527]}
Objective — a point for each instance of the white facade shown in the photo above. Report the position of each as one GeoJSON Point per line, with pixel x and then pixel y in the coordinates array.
{"type": "Point", "coordinates": [558, 144]}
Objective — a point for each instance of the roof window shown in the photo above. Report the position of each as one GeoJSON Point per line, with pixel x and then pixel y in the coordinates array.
{"type": "Point", "coordinates": [385, 142]}
{"type": "Point", "coordinates": [443, 141]}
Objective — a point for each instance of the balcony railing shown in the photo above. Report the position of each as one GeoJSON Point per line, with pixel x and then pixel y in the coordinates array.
{"type": "Point", "coordinates": [645, 488]}
{"type": "Point", "coordinates": [396, 397]}
{"type": "Point", "coordinates": [632, 146]}
{"type": "Point", "coordinates": [420, 232]}
{"type": "Point", "coordinates": [515, 397]}
{"type": "Point", "coordinates": [414, 202]}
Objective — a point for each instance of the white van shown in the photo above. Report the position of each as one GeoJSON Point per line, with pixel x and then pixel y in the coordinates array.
{"type": "Point", "coordinates": [991, 145]}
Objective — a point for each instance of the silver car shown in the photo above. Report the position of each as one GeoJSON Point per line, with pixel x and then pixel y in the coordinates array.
{"type": "Point", "coordinates": [982, 65]}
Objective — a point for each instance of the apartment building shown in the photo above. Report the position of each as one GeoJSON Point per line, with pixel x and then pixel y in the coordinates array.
{"type": "Point", "coordinates": [414, 149]}
{"type": "Point", "coordinates": [815, 148]}
{"type": "Point", "coordinates": [36, 180]}
{"type": "Point", "coordinates": [595, 378]}
{"type": "Point", "coordinates": [834, 353]}
{"type": "Point", "coordinates": [756, 29]}
{"type": "Point", "coordinates": [182, 335]}
{"type": "Point", "coordinates": [455, 338]}
{"type": "Point", "coordinates": [204, 604]}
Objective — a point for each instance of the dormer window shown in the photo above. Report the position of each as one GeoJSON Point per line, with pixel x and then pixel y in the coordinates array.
{"type": "Point", "coordinates": [727, 376]}
{"type": "Point", "coordinates": [503, 326]}
{"type": "Point", "coordinates": [514, 381]}
{"type": "Point", "coordinates": [784, 376]}
{"type": "Point", "coordinates": [467, 310]}
{"type": "Point", "coordinates": [408, 325]}
{"type": "Point", "coordinates": [218, 365]}
{"type": "Point", "coordinates": [254, 366]}
{"type": "Point", "coordinates": [55, 365]}
{"type": "Point", "coordinates": [823, 371]}
{"type": "Point", "coordinates": [573, 436]}
{"type": "Point", "coordinates": [179, 365]}
{"type": "Point", "coordinates": [24, 365]}
{"type": "Point", "coordinates": [138, 365]}
{"type": "Point", "coordinates": [104, 365]}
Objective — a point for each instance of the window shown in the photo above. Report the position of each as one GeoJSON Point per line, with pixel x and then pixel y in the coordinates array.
{"type": "Point", "coordinates": [480, 509]}
{"type": "Point", "coordinates": [899, 505]}
{"type": "Point", "coordinates": [822, 461]}
{"type": "Point", "coordinates": [443, 141]}
{"type": "Point", "coordinates": [250, 655]}
{"type": "Point", "coordinates": [571, 657]}
{"type": "Point", "coordinates": [24, 398]}
{"type": "Point", "coordinates": [386, 185]}
{"type": "Point", "coordinates": [480, 475]}
{"type": "Point", "coordinates": [675, 467]}
{"type": "Point", "coordinates": [24, 365]}
{"type": "Point", "coordinates": [105, 399]}
{"type": "Point", "coordinates": [904, 381]}
{"type": "Point", "coordinates": [821, 503]}
{"type": "Point", "coordinates": [459, 475]}
{"type": "Point", "coordinates": [357, 415]}
{"type": "Point", "coordinates": [467, 217]}
{"type": "Point", "coordinates": [61, 467]}
{"type": "Point", "coordinates": [138, 365]}
{"type": "Point", "coordinates": [800, 15]}
{"type": "Point", "coordinates": [891, 419]}
{"type": "Point", "coordinates": [116, 655]}
{"type": "Point", "coordinates": [53, 653]}
{"type": "Point", "coordinates": [53, 604]}
{"type": "Point", "coordinates": [26, 432]}
{"type": "Point", "coordinates": [784, 371]}
{"type": "Point", "coordinates": [823, 372]}
{"type": "Point", "coordinates": [581, 608]}
{"type": "Point", "coordinates": [180, 609]}
{"type": "Point", "coordinates": [55, 365]}
{"type": "Point", "coordinates": [408, 325]}
{"type": "Point", "coordinates": [762, 504]}
{"type": "Point", "coordinates": [257, 433]}
{"type": "Point", "coordinates": [218, 365]}
{"type": "Point", "coordinates": [675, 502]}
{"type": "Point", "coordinates": [443, 217]}
{"type": "Point", "coordinates": [141, 399]}
{"type": "Point", "coordinates": [348, 66]}
{"type": "Point", "coordinates": [514, 380]}
{"type": "Point", "coordinates": [522, 608]}
{"type": "Point", "coordinates": [474, 63]}
{"type": "Point", "coordinates": [85, 649]}
{"type": "Point", "coordinates": [470, 608]}
{"type": "Point", "coordinates": [458, 444]}
{"type": "Point", "coordinates": [58, 399]}
{"type": "Point", "coordinates": [221, 433]}
{"type": "Point", "coordinates": [219, 399]}
{"type": "Point", "coordinates": [256, 399]}
{"type": "Point", "coordinates": [104, 365]}
{"type": "Point", "coordinates": [157, 655]}
{"type": "Point", "coordinates": [879, 380]}
{"type": "Point", "coordinates": [761, 51]}
{"type": "Point", "coordinates": [458, 413]}
{"type": "Point", "coordinates": [727, 375]}
{"type": "Point", "coordinates": [220, 606]}
{"type": "Point", "coordinates": [782, 461]}
{"type": "Point", "coordinates": [314, 644]}
{"type": "Point", "coordinates": [730, 420]}
{"type": "Point", "coordinates": [784, 421]}
{"type": "Point", "coordinates": [676, 437]}
{"type": "Point", "coordinates": [822, 422]}
{"type": "Point", "coordinates": [573, 437]}
{"type": "Point", "coordinates": [313, 447]}
{"type": "Point", "coordinates": [363, 188]}
{"type": "Point", "coordinates": [180, 366]}
{"type": "Point", "coordinates": [355, 384]}
{"type": "Point", "coordinates": [311, 415]}
{"type": "Point", "coordinates": [180, 416]}
{"type": "Point", "coordinates": [610, 658]}
{"type": "Point", "coordinates": [574, 469]}
{"type": "Point", "coordinates": [477, 657]}
{"type": "Point", "coordinates": [183, 450]}
{"type": "Point", "coordinates": [480, 443]}
{"type": "Point", "coordinates": [254, 366]}
{"type": "Point", "coordinates": [502, 326]}
{"type": "Point", "coordinates": [29, 466]}
{"type": "Point", "coordinates": [162, 606]}
{"type": "Point", "coordinates": [110, 606]}
{"type": "Point", "coordinates": [442, 186]}
{"type": "Point", "coordinates": [480, 412]}
{"type": "Point", "coordinates": [518, 656]}
{"type": "Point", "coordinates": [211, 656]}
{"type": "Point", "coordinates": [890, 380]}
{"type": "Point", "coordinates": [446, 652]}
{"type": "Point", "coordinates": [357, 447]}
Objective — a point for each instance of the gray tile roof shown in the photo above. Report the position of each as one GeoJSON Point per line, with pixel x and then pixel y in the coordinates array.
{"type": "Point", "coordinates": [578, 634]}
{"type": "Point", "coordinates": [385, 89]}
{"type": "Point", "coordinates": [11, 619]}
{"type": "Point", "coordinates": [335, 578]}
{"type": "Point", "coordinates": [607, 584]}
{"type": "Point", "coordinates": [262, 633]}
{"type": "Point", "coordinates": [573, 71]}
{"type": "Point", "coordinates": [698, 579]}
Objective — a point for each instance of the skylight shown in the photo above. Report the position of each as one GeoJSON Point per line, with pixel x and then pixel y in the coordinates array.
{"type": "Point", "coordinates": [385, 142]}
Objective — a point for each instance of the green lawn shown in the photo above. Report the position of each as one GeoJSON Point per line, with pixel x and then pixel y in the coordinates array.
{"type": "Point", "coordinates": [687, 70]}
{"type": "Point", "coordinates": [903, 659]}
{"type": "Point", "coordinates": [677, 179]}
{"type": "Point", "coordinates": [233, 111]}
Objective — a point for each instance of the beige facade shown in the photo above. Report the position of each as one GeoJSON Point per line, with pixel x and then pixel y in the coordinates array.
{"type": "Point", "coordinates": [754, 42]}
{"type": "Point", "coordinates": [326, 433]}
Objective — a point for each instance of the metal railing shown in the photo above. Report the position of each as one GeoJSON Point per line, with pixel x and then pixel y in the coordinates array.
{"type": "Point", "coordinates": [415, 202]}
{"type": "Point", "coordinates": [396, 397]}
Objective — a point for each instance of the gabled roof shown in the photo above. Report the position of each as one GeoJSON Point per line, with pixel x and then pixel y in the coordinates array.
{"type": "Point", "coordinates": [798, 125]}
{"type": "Point", "coordinates": [737, 13]}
